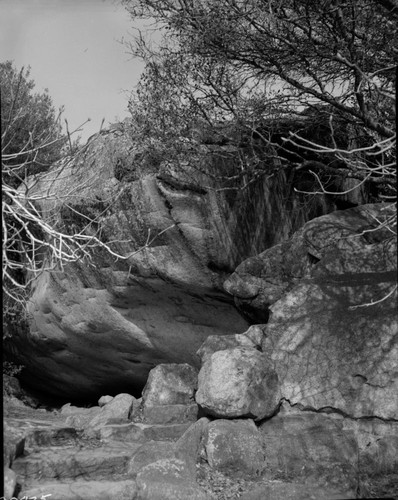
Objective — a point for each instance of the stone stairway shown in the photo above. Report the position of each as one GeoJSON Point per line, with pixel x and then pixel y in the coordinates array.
{"type": "Point", "coordinates": [81, 469]}
{"type": "Point", "coordinates": [69, 464]}
{"type": "Point", "coordinates": [103, 452]}
{"type": "Point", "coordinates": [160, 448]}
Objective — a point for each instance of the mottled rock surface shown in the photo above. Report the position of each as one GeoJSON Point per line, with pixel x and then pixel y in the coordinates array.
{"type": "Point", "coordinates": [238, 382]}
{"type": "Point", "coordinates": [170, 384]}
{"type": "Point", "coordinates": [167, 479]}
{"type": "Point", "coordinates": [332, 336]}
{"type": "Point", "coordinates": [150, 452]}
{"type": "Point", "coordinates": [234, 447]}
{"type": "Point", "coordinates": [310, 447]}
{"type": "Point", "coordinates": [188, 446]}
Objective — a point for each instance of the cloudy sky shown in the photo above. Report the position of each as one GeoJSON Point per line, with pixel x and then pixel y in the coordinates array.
{"type": "Point", "coordinates": [74, 50]}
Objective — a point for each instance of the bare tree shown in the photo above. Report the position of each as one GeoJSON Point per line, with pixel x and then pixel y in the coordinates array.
{"type": "Point", "coordinates": [35, 238]}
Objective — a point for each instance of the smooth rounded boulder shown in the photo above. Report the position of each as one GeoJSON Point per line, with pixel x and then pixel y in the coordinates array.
{"type": "Point", "coordinates": [238, 382]}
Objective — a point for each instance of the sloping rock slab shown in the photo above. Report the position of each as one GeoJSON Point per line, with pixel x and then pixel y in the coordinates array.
{"type": "Point", "coordinates": [79, 417]}
{"type": "Point", "coordinates": [188, 446]}
{"type": "Point", "coordinates": [120, 407]}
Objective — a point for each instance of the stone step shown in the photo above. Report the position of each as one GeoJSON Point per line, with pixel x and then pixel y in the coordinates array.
{"type": "Point", "coordinates": [53, 436]}
{"type": "Point", "coordinates": [140, 432]}
{"type": "Point", "coordinates": [82, 490]}
{"type": "Point", "coordinates": [170, 414]}
{"type": "Point", "coordinates": [104, 462]}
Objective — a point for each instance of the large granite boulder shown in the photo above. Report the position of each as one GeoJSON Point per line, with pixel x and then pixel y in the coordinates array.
{"type": "Point", "coordinates": [238, 382]}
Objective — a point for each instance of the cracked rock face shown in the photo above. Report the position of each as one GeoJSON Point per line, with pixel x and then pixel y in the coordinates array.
{"type": "Point", "coordinates": [96, 330]}
{"type": "Point", "coordinates": [330, 347]}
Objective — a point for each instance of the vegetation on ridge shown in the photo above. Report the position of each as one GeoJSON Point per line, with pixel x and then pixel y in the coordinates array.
{"type": "Point", "coordinates": [231, 71]}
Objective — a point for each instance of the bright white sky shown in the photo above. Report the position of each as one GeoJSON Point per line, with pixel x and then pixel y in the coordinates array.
{"type": "Point", "coordinates": [73, 49]}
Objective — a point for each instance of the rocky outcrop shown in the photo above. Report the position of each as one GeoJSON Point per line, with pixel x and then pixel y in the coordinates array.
{"type": "Point", "coordinates": [303, 405]}
{"type": "Point", "coordinates": [333, 335]}
{"type": "Point", "coordinates": [295, 452]}
{"type": "Point", "coordinates": [98, 329]}
{"type": "Point", "coordinates": [332, 341]}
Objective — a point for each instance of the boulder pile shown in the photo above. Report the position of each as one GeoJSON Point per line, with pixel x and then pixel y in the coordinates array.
{"type": "Point", "coordinates": [303, 406]}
